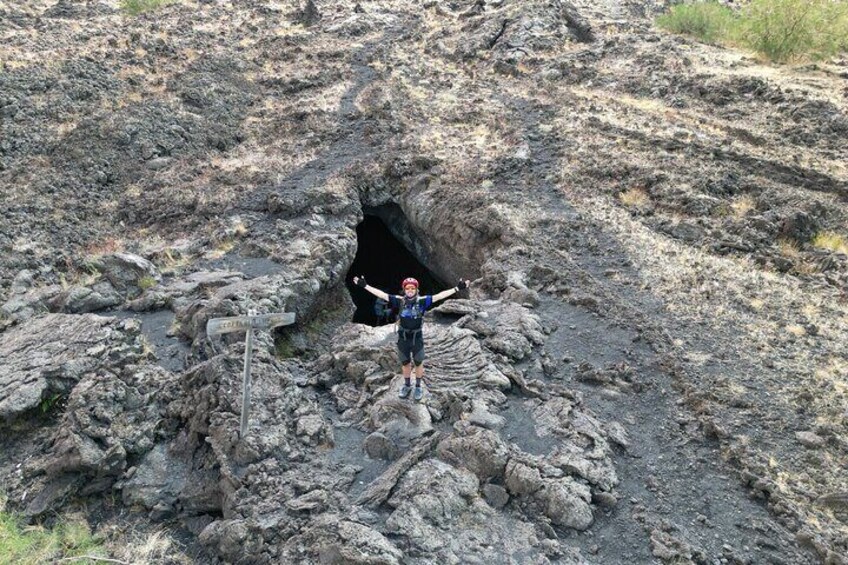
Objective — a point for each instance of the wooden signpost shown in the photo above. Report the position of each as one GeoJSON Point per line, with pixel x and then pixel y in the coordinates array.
{"type": "Point", "coordinates": [249, 323]}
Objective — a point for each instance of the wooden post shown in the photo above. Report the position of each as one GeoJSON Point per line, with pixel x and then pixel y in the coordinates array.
{"type": "Point", "coordinates": [245, 390]}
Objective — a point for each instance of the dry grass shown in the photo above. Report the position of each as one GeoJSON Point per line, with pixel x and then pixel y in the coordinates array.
{"type": "Point", "coordinates": [147, 548]}
{"type": "Point", "coordinates": [807, 268]}
{"type": "Point", "coordinates": [460, 142]}
{"type": "Point", "coordinates": [221, 249]}
{"type": "Point", "coordinates": [65, 128]}
{"type": "Point", "coordinates": [288, 29]}
{"type": "Point", "coordinates": [635, 198]}
{"type": "Point", "coordinates": [148, 350]}
{"type": "Point", "coordinates": [76, 277]}
{"type": "Point", "coordinates": [836, 372]}
{"type": "Point", "coordinates": [104, 246]}
{"type": "Point", "coordinates": [742, 205]}
{"type": "Point", "coordinates": [155, 546]}
{"type": "Point", "coordinates": [796, 330]}
{"type": "Point", "coordinates": [788, 248]}
{"type": "Point", "coordinates": [238, 228]}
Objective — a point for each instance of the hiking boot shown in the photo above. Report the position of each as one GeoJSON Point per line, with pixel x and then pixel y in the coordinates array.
{"type": "Point", "coordinates": [418, 393]}
{"type": "Point", "coordinates": [404, 391]}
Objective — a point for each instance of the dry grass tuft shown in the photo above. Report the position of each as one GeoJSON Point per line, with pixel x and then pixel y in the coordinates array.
{"type": "Point", "coordinates": [635, 198]}
{"type": "Point", "coordinates": [103, 246]}
{"type": "Point", "coordinates": [151, 549]}
{"type": "Point", "coordinates": [788, 248]}
{"type": "Point", "coordinates": [238, 228]}
{"type": "Point", "coordinates": [742, 205]}
{"type": "Point", "coordinates": [796, 330]}
{"type": "Point", "coordinates": [221, 249]}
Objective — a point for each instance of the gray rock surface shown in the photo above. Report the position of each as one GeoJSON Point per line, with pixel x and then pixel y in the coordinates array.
{"type": "Point", "coordinates": [25, 302]}
{"type": "Point", "coordinates": [49, 354]}
{"type": "Point", "coordinates": [336, 540]}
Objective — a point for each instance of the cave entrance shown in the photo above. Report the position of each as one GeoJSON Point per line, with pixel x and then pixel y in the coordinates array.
{"type": "Point", "coordinates": [384, 261]}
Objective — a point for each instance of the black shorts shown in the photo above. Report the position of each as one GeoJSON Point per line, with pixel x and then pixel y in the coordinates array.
{"type": "Point", "coordinates": [412, 348]}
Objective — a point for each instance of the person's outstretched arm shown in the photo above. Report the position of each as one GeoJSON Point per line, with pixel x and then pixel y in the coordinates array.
{"type": "Point", "coordinates": [451, 291]}
{"type": "Point", "coordinates": [360, 282]}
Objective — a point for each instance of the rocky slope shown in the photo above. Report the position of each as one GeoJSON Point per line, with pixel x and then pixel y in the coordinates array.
{"type": "Point", "coordinates": [651, 363]}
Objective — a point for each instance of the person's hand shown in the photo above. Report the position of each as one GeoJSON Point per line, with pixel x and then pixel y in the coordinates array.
{"type": "Point", "coordinates": [463, 284]}
{"type": "Point", "coordinates": [360, 282]}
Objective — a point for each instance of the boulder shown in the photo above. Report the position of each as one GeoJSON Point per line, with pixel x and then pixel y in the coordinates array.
{"type": "Point", "coordinates": [480, 451]}
{"type": "Point", "coordinates": [400, 420]}
{"type": "Point", "coordinates": [126, 270]}
{"type": "Point", "coordinates": [49, 354]}
{"type": "Point", "coordinates": [25, 302]}
{"type": "Point", "coordinates": [799, 226]}
{"type": "Point", "coordinates": [235, 540]}
{"type": "Point", "coordinates": [379, 446]}
{"type": "Point", "coordinates": [566, 503]}
{"type": "Point", "coordinates": [158, 480]}
{"type": "Point", "coordinates": [79, 299]}
{"type": "Point", "coordinates": [495, 495]}
{"type": "Point", "coordinates": [521, 479]}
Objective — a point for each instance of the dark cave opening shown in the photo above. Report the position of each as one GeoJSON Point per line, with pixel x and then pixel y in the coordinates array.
{"type": "Point", "coordinates": [384, 262]}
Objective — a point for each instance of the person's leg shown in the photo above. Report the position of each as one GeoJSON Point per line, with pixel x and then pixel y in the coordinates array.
{"type": "Point", "coordinates": [419, 375]}
{"type": "Point", "coordinates": [406, 368]}
{"type": "Point", "coordinates": [418, 357]}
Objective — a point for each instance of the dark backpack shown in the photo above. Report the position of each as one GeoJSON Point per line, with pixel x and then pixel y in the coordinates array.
{"type": "Point", "coordinates": [383, 310]}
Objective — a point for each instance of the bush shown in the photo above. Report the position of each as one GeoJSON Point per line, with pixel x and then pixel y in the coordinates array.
{"type": "Point", "coordinates": [786, 30]}
{"type": "Point", "coordinates": [708, 21]}
{"type": "Point", "coordinates": [780, 30]}
{"type": "Point", "coordinates": [146, 282]}
{"type": "Point", "coordinates": [136, 7]}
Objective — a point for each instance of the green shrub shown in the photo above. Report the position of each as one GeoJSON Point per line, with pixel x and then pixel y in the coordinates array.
{"type": "Point", "coordinates": [707, 21]}
{"type": "Point", "coordinates": [284, 348]}
{"type": "Point", "coordinates": [787, 30]}
{"type": "Point", "coordinates": [47, 404]}
{"type": "Point", "coordinates": [780, 30]}
{"type": "Point", "coordinates": [146, 282]}
{"type": "Point", "coordinates": [136, 7]}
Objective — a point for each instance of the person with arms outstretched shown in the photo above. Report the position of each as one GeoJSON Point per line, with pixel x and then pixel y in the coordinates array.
{"type": "Point", "coordinates": [411, 307]}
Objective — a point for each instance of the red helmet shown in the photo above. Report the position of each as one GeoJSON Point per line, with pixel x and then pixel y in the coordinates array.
{"type": "Point", "coordinates": [409, 281]}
